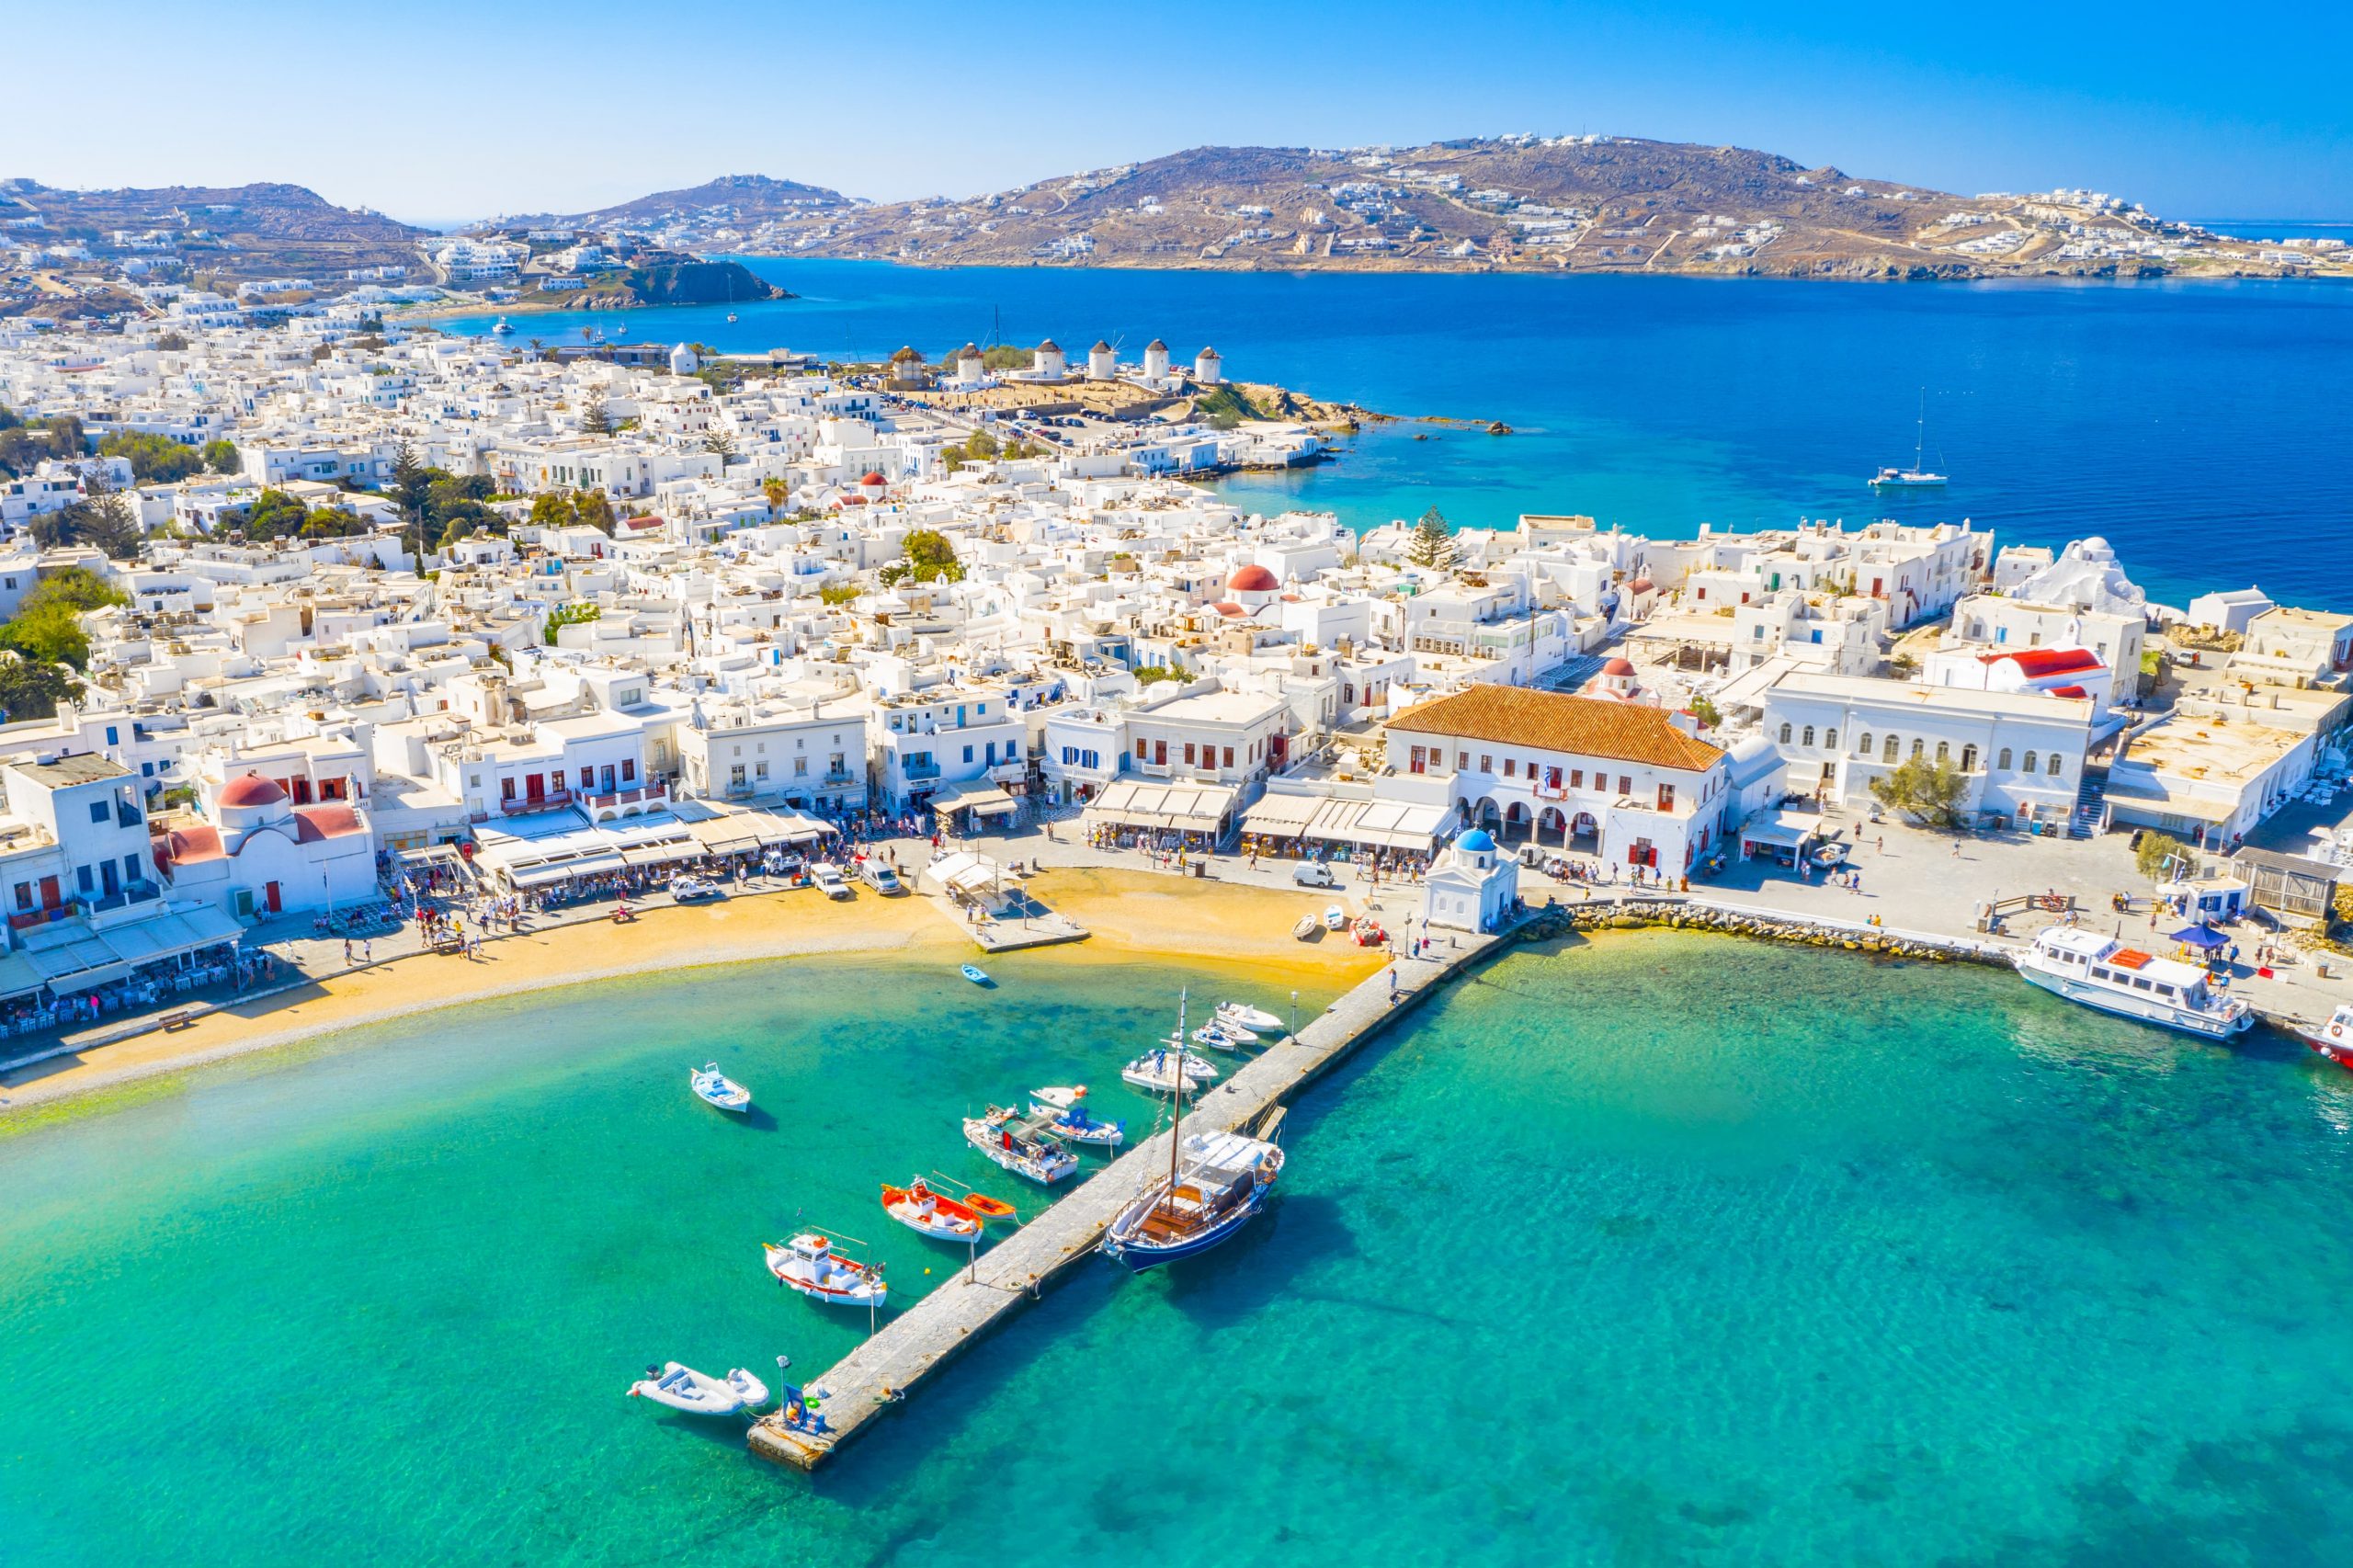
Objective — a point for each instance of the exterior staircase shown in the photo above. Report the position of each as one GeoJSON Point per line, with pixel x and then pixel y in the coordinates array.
{"type": "Point", "coordinates": [2091, 804]}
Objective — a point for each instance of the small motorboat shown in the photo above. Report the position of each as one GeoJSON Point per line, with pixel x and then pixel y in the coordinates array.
{"type": "Point", "coordinates": [1026, 1145]}
{"type": "Point", "coordinates": [808, 1263]}
{"type": "Point", "coordinates": [1334, 918]}
{"type": "Point", "coordinates": [731, 318]}
{"type": "Point", "coordinates": [1071, 1120]}
{"type": "Point", "coordinates": [1217, 1037]}
{"type": "Point", "coordinates": [1307, 929]}
{"type": "Point", "coordinates": [2333, 1039]}
{"type": "Point", "coordinates": [501, 329]}
{"type": "Point", "coordinates": [1234, 1030]}
{"type": "Point", "coordinates": [1166, 1070]}
{"type": "Point", "coordinates": [714, 1087]}
{"type": "Point", "coordinates": [686, 890]}
{"type": "Point", "coordinates": [929, 1213]}
{"type": "Point", "coordinates": [1257, 1019]}
{"type": "Point", "coordinates": [698, 1393]}
{"type": "Point", "coordinates": [976, 974]}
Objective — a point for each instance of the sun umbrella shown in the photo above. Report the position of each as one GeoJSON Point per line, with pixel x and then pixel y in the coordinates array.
{"type": "Point", "coordinates": [2201, 935]}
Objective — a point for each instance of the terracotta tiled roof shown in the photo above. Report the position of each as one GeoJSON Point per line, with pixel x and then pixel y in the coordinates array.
{"type": "Point", "coordinates": [1586, 726]}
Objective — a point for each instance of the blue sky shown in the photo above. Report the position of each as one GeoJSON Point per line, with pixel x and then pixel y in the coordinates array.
{"type": "Point", "coordinates": [437, 110]}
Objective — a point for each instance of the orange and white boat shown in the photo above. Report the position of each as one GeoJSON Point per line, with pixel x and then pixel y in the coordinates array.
{"type": "Point", "coordinates": [936, 1215]}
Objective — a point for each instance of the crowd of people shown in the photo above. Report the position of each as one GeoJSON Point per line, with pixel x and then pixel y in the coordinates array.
{"type": "Point", "coordinates": [222, 964]}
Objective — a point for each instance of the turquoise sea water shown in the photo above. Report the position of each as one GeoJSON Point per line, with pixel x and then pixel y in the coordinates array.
{"type": "Point", "coordinates": [2198, 425]}
{"type": "Point", "coordinates": [1669, 1250]}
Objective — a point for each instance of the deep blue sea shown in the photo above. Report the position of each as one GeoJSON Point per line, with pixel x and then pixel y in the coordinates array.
{"type": "Point", "coordinates": [2199, 426]}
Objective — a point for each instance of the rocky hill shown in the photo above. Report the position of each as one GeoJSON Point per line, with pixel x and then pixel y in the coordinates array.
{"type": "Point", "coordinates": [1582, 203]}
{"type": "Point", "coordinates": [231, 231]}
{"type": "Point", "coordinates": [731, 201]}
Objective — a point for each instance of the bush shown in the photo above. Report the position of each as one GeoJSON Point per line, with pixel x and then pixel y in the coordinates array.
{"type": "Point", "coordinates": [154, 459]}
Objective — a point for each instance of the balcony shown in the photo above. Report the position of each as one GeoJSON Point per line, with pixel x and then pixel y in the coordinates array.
{"type": "Point", "coordinates": [634, 795]}
{"type": "Point", "coordinates": [917, 772]}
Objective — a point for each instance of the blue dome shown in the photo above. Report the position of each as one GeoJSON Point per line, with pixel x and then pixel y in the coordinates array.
{"type": "Point", "coordinates": [1476, 840]}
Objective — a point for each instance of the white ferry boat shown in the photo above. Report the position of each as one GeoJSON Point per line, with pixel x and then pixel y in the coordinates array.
{"type": "Point", "coordinates": [2101, 971]}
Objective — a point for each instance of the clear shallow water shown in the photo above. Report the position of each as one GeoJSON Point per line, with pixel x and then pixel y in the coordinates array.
{"type": "Point", "coordinates": [2195, 425]}
{"type": "Point", "coordinates": [1670, 1250]}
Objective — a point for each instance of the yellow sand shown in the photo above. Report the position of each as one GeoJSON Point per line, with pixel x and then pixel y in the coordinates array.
{"type": "Point", "coordinates": [1130, 913]}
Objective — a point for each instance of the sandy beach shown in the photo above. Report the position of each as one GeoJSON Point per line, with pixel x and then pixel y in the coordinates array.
{"type": "Point", "coordinates": [1130, 913]}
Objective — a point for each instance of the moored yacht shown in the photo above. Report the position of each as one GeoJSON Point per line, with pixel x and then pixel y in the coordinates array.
{"type": "Point", "coordinates": [2101, 971]}
{"type": "Point", "coordinates": [1026, 1145]}
{"type": "Point", "coordinates": [1217, 1181]}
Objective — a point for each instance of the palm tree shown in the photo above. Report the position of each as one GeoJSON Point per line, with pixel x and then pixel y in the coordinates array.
{"type": "Point", "coordinates": [775, 490]}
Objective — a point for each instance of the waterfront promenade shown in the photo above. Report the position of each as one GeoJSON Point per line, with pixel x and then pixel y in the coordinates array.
{"type": "Point", "coordinates": [882, 1370]}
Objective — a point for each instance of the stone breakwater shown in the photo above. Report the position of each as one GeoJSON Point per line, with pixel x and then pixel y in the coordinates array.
{"type": "Point", "coordinates": [1678, 914]}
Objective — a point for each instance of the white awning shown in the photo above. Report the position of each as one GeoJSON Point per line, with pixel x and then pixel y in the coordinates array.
{"type": "Point", "coordinates": [1772, 829]}
{"type": "Point", "coordinates": [544, 874]}
{"type": "Point", "coordinates": [1385, 824]}
{"type": "Point", "coordinates": [1190, 808]}
{"type": "Point", "coordinates": [1282, 816]}
{"type": "Point", "coordinates": [974, 795]}
{"type": "Point", "coordinates": [667, 853]}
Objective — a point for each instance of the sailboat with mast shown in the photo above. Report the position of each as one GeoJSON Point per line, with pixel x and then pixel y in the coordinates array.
{"type": "Point", "coordinates": [1216, 1181]}
{"type": "Point", "coordinates": [1918, 476]}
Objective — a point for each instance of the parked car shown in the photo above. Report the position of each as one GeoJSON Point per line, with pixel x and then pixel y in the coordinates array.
{"type": "Point", "coordinates": [880, 878]}
{"type": "Point", "coordinates": [828, 876]}
{"type": "Point", "coordinates": [1316, 874]}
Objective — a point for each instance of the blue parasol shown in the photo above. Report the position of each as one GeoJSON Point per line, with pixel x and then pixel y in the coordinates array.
{"type": "Point", "coordinates": [2201, 935]}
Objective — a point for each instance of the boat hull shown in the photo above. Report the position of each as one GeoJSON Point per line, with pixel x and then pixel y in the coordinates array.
{"type": "Point", "coordinates": [1141, 1256]}
{"type": "Point", "coordinates": [2142, 1010]}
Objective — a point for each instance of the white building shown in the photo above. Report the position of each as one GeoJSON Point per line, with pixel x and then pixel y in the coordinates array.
{"type": "Point", "coordinates": [1472, 885]}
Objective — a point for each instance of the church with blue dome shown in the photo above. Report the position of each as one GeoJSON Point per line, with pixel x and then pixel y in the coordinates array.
{"type": "Point", "coordinates": [1472, 885]}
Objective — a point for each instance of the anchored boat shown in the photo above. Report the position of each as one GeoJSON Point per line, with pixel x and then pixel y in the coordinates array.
{"type": "Point", "coordinates": [808, 1263]}
{"type": "Point", "coordinates": [1022, 1145]}
{"type": "Point", "coordinates": [714, 1087]}
{"type": "Point", "coordinates": [1071, 1122]}
{"type": "Point", "coordinates": [2334, 1038]}
{"type": "Point", "coordinates": [2101, 971]}
{"type": "Point", "coordinates": [1257, 1019]}
{"type": "Point", "coordinates": [1167, 1071]}
{"type": "Point", "coordinates": [698, 1393]}
{"type": "Point", "coordinates": [934, 1214]}
{"type": "Point", "coordinates": [1216, 1181]}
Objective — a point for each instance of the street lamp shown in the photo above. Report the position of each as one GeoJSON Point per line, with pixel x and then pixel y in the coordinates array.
{"type": "Point", "coordinates": [1294, 1014]}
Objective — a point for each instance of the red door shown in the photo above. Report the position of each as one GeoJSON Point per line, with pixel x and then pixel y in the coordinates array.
{"type": "Point", "coordinates": [269, 894]}
{"type": "Point", "coordinates": [535, 787]}
{"type": "Point", "coordinates": [49, 893]}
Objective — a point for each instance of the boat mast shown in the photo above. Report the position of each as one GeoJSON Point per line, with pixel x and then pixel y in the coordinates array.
{"type": "Point", "coordinates": [1176, 1117]}
{"type": "Point", "coordinates": [1920, 432]}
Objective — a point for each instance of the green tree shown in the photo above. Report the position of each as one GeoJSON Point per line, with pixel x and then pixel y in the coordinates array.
{"type": "Point", "coordinates": [775, 491]}
{"type": "Point", "coordinates": [2157, 856]}
{"type": "Point", "coordinates": [837, 593]}
{"type": "Point", "coordinates": [332, 522]}
{"type": "Point", "coordinates": [1930, 792]}
{"type": "Point", "coordinates": [595, 509]}
{"type": "Point", "coordinates": [154, 459]}
{"type": "Point", "coordinates": [552, 509]}
{"type": "Point", "coordinates": [98, 518]}
{"type": "Point", "coordinates": [411, 488]}
{"type": "Point", "coordinates": [931, 555]}
{"type": "Point", "coordinates": [1705, 711]}
{"type": "Point", "coordinates": [721, 445]}
{"type": "Point", "coordinates": [980, 445]}
{"type": "Point", "coordinates": [595, 419]}
{"type": "Point", "coordinates": [77, 588]}
{"type": "Point", "coordinates": [220, 457]}
{"type": "Point", "coordinates": [1432, 544]}
{"type": "Point", "coordinates": [52, 634]}
{"type": "Point", "coordinates": [31, 689]}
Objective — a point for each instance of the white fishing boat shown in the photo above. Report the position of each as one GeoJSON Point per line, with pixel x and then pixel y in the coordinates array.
{"type": "Point", "coordinates": [1072, 1121]}
{"type": "Point", "coordinates": [808, 1263]}
{"type": "Point", "coordinates": [500, 328]}
{"type": "Point", "coordinates": [714, 1087]}
{"type": "Point", "coordinates": [1334, 918]}
{"type": "Point", "coordinates": [700, 1394]}
{"type": "Point", "coordinates": [1167, 1071]}
{"type": "Point", "coordinates": [929, 1213]}
{"type": "Point", "coordinates": [1026, 1145]}
{"type": "Point", "coordinates": [1222, 1036]}
{"type": "Point", "coordinates": [2101, 971]}
{"type": "Point", "coordinates": [1254, 1018]}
